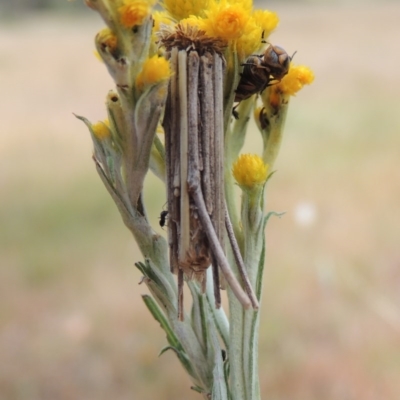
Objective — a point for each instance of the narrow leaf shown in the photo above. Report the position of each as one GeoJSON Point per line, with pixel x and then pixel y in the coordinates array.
{"type": "Point", "coordinates": [159, 316]}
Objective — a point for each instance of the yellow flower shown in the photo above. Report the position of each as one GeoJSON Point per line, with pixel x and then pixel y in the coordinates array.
{"type": "Point", "coordinates": [235, 23]}
{"type": "Point", "coordinates": [155, 69]}
{"type": "Point", "coordinates": [106, 42]}
{"type": "Point", "coordinates": [246, 4]}
{"type": "Point", "coordinates": [107, 39]}
{"type": "Point", "coordinates": [297, 77]}
{"type": "Point", "coordinates": [133, 12]}
{"type": "Point", "coordinates": [251, 41]}
{"type": "Point", "coordinates": [180, 9]}
{"type": "Point", "coordinates": [227, 21]}
{"type": "Point", "coordinates": [160, 17]}
{"type": "Point", "coordinates": [232, 21]}
{"type": "Point", "coordinates": [101, 129]}
{"type": "Point", "coordinates": [266, 20]}
{"type": "Point", "coordinates": [249, 170]}
{"type": "Point", "coordinates": [197, 22]}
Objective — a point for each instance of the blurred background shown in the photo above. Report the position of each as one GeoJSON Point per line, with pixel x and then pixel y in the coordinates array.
{"type": "Point", "coordinates": [72, 322]}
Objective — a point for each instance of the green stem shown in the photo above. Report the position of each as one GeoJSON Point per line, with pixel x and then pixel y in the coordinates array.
{"type": "Point", "coordinates": [273, 133]}
{"type": "Point", "coordinates": [245, 323]}
{"type": "Point", "coordinates": [236, 337]}
{"type": "Point", "coordinates": [234, 141]}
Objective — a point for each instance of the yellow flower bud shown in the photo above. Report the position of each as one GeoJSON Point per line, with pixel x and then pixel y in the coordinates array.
{"type": "Point", "coordinates": [249, 170]}
{"type": "Point", "coordinates": [155, 69]}
{"type": "Point", "coordinates": [108, 39]}
{"type": "Point", "coordinates": [133, 12]}
{"type": "Point", "coordinates": [101, 129]}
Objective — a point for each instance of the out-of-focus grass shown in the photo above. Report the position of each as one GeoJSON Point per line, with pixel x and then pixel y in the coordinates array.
{"type": "Point", "coordinates": [72, 325]}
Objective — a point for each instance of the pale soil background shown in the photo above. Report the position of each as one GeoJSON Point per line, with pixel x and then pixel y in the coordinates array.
{"type": "Point", "coordinates": [72, 324]}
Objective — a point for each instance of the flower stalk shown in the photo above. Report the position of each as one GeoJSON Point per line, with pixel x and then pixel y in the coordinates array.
{"type": "Point", "coordinates": [177, 74]}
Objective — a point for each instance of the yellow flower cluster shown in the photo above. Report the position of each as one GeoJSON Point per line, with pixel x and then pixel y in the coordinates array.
{"type": "Point", "coordinates": [134, 12]}
{"type": "Point", "coordinates": [181, 9]}
{"type": "Point", "coordinates": [249, 170]}
{"type": "Point", "coordinates": [155, 69]}
{"type": "Point", "coordinates": [232, 21]}
{"type": "Point", "coordinates": [101, 129]}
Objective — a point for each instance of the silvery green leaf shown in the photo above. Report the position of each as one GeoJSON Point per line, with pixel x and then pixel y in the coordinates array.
{"type": "Point", "coordinates": [220, 385]}
{"type": "Point", "coordinates": [172, 339]}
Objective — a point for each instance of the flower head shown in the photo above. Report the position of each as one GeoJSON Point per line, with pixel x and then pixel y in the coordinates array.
{"type": "Point", "coordinates": [187, 35]}
{"type": "Point", "coordinates": [106, 42]}
{"type": "Point", "coordinates": [160, 17]}
{"type": "Point", "coordinates": [250, 170]}
{"type": "Point", "coordinates": [238, 25]}
{"type": "Point", "coordinates": [155, 69]}
{"type": "Point", "coordinates": [251, 41]}
{"type": "Point", "coordinates": [180, 9]}
{"type": "Point", "coordinates": [232, 22]}
{"type": "Point", "coordinates": [266, 20]}
{"type": "Point", "coordinates": [101, 129]}
{"type": "Point", "coordinates": [296, 78]}
{"type": "Point", "coordinates": [107, 39]}
{"type": "Point", "coordinates": [134, 12]}
{"type": "Point", "coordinates": [227, 21]}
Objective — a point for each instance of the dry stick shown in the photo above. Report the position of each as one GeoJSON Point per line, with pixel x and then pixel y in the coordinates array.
{"type": "Point", "coordinates": [207, 127]}
{"type": "Point", "coordinates": [207, 145]}
{"type": "Point", "coordinates": [218, 153]}
{"type": "Point", "coordinates": [218, 253]}
{"type": "Point", "coordinates": [192, 114]}
{"type": "Point", "coordinates": [174, 184]}
{"type": "Point", "coordinates": [185, 215]}
{"type": "Point", "coordinates": [171, 127]}
{"type": "Point", "coordinates": [194, 141]}
{"type": "Point", "coordinates": [239, 262]}
{"type": "Point", "coordinates": [195, 190]}
{"type": "Point", "coordinates": [184, 237]}
{"type": "Point", "coordinates": [219, 147]}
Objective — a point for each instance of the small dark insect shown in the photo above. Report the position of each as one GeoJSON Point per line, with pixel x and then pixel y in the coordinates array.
{"type": "Point", "coordinates": [163, 218]}
{"type": "Point", "coordinates": [261, 71]}
{"type": "Point", "coordinates": [223, 354]}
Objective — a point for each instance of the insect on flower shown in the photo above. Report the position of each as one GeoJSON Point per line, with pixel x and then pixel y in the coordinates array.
{"type": "Point", "coordinates": [261, 71]}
